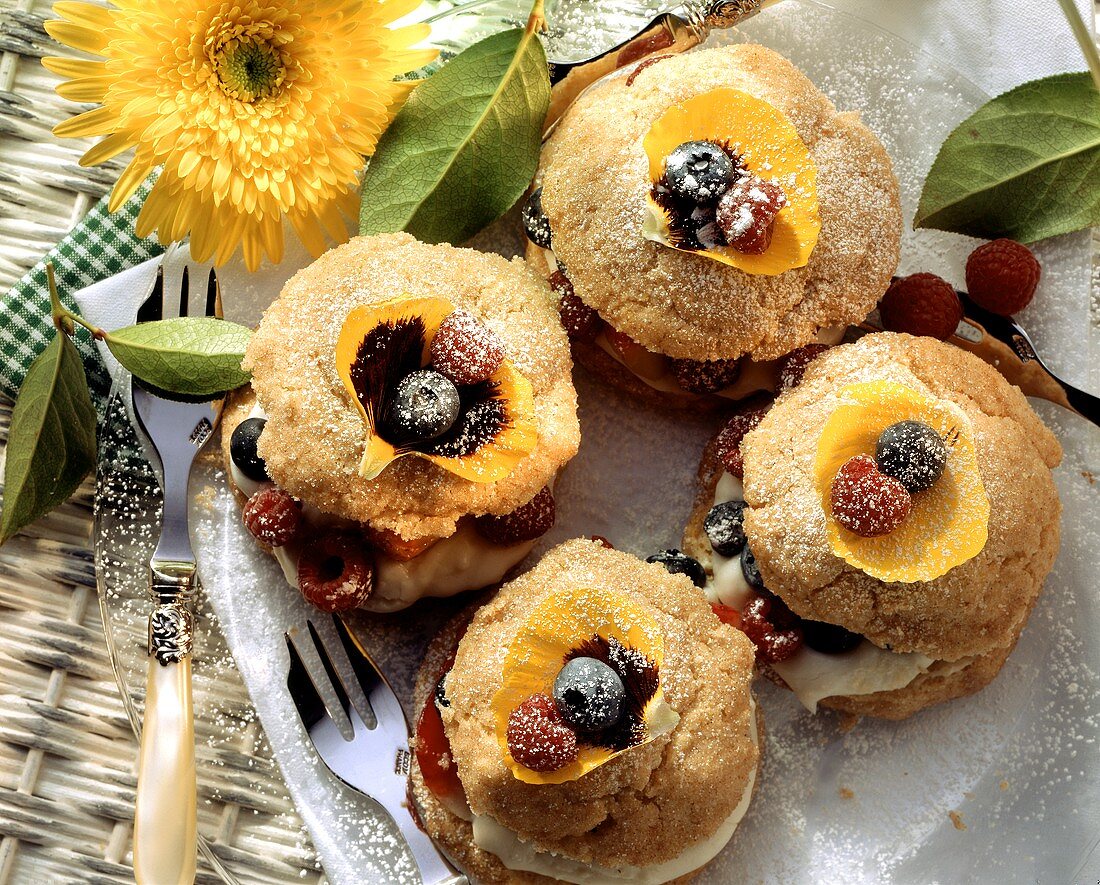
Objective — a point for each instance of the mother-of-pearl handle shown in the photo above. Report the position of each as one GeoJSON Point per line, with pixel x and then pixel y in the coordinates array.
{"type": "Point", "coordinates": [165, 828]}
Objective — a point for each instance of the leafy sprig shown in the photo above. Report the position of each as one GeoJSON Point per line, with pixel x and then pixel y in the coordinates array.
{"type": "Point", "coordinates": [52, 439]}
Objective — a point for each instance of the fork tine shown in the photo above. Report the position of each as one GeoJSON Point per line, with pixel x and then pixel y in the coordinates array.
{"type": "Point", "coordinates": [330, 669]}
{"type": "Point", "coordinates": [383, 701]}
{"type": "Point", "coordinates": [152, 308]}
{"type": "Point", "coordinates": [213, 295]}
{"type": "Point", "coordinates": [310, 706]}
{"type": "Point", "coordinates": [185, 286]}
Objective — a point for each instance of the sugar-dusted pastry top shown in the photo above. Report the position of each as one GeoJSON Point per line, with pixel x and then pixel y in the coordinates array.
{"type": "Point", "coordinates": [313, 441]}
{"type": "Point", "coordinates": [975, 607]}
{"type": "Point", "coordinates": [649, 803]}
{"type": "Point", "coordinates": [595, 182]}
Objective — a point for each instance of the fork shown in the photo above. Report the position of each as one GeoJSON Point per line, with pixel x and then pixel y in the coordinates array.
{"type": "Point", "coordinates": [375, 760]}
{"type": "Point", "coordinates": [165, 816]}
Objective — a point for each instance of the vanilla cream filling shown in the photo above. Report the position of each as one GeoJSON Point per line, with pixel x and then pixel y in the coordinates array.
{"type": "Point", "coordinates": [811, 675]}
{"type": "Point", "coordinates": [464, 561]}
{"type": "Point", "coordinates": [517, 854]}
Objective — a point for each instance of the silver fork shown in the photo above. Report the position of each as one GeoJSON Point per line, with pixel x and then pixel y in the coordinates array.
{"type": "Point", "coordinates": [165, 821]}
{"type": "Point", "coordinates": [375, 760]}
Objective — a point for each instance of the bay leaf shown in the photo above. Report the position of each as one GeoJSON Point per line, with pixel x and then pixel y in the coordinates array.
{"type": "Point", "coordinates": [465, 145]}
{"type": "Point", "coordinates": [52, 438]}
{"type": "Point", "coordinates": [195, 356]}
{"type": "Point", "coordinates": [1025, 165]}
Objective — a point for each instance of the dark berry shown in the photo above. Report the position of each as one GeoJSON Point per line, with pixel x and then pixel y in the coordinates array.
{"type": "Point", "coordinates": [681, 564]}
{"type": "Point", "coordinates": [533, 520]}
{"type": "Point", "coordinates": [589, 694]}
{"type": "Point", "coordinates": [465, 349]}
{"type": "Point", "coordinates": [535, 221]}
{"type": "Point", "coordinates": [1001, 276]}
{"type": "Point", "coordinates": [921, 304]}
{"type": "Point", "coordinates": [725, 527]}
{"type": "Point", "coordinates": [425, 405]}
{"type": "Point", "coordinates": [912, 453]}
{"type": "Point", "coordinates": [746, 212]}
{"type": "Point", "coordinates": [793, 366]}
{"type": "Point", "coordinates": [273, 516]}
{"type": "Point", "coordinates": [750, 569]}
{"type": "Point", "coordinates": [581, 322]}
{"type": "Point", "coordinates": [829, 639]}
{"type": "Point", "coordinates": [335, 572]}
{"type": "Point", "coordinates": [772, 627]}
{"type": "Point", "coordinates": [711, 376]}
{"type": "Point", "coordinates": [865, 500]}
{"type": "Point", "coordinates": [538, 737]}
{"type": "Point", "coordinates": [441, 699]}
{"type": "Point", "coordinates": [698, 171]}
{"type": "Point", "coordinates": [728, 442]}
{"type": "Point", "coordinates": [242, 449]}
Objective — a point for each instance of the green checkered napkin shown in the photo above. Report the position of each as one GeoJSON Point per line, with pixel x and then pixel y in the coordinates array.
{"type": "Point", "coordinates": [100, 246]}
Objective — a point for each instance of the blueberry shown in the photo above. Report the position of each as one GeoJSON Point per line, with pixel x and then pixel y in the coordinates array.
{"type": "Point", "coordinates": [750, 569]}
{"type": "Point", "coordinates": [425, 405]}
{"type": "Point", "coordinates": [681, 564]}
{"type": "Point", "coordinates": [912, 453]}
{"type": "Point", "coordinates": [535, 221]}
{"type": "Point", "coordinates": [242, 449]}
{"type": "Point", "coordinates": [829, 639]}
{"type": "Point", "coordinates": [698, 171]}
{"type": "Point", "coordinates": [725, 528]}
{"type": "Point", "coordinates": [589, 694]}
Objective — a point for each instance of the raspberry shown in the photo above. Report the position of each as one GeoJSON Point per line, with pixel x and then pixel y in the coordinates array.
{"type": "Point", "coordinates": [465, 350]}
{"type": "Point", "coordinates": [728, 442]}
{"type": "Point", "coordinates": [581, 322]}
{"type": "Point", "coordinates": [726, 614]}
{"type": "Point", "coordinates": [867, 501]}
{"type": "Point", "coordinates": [602, 541]}
{"type": "Point", "coordinates": [746, 212]}
{"type": "Point", "coordinates": [538, 737]}
{"type": "Point", "coordinates": [273, 516]}
{"type": "Point", "coordinates": [793, 366]}
{"type": "Point", "coordinates": [1001, 276]}
{"type": "Point", "coordinates": [773, 628]}
{"type": "Point", "coordinates": [706, 377]}
{"type": "Point", "coordinates": [532, 520]}
{"type": "Point", "coordinates": [921, 304]}
{"type": "Point", "coordinates": [335, 572]}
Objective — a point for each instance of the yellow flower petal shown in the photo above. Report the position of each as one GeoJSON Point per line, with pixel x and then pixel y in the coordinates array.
{"type": "Point", "coordinates": [96, 122]}
{"type": "Point", "coordinates": [109, 147]}
{"type": "Point", "coordinates": [769, 147]}
{"type": "Point", "coordinates": [948, 523]}
{"type": "Point", "coordinates": [535, 656]}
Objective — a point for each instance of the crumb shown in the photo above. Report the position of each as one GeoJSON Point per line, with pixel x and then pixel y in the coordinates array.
{"type": "Point", "coordinates": [1090, 476]}
{"type": "Point", "coordinates": [956, 820]}
{"type": "Point", "coordinates": [1004, 785]}
{"type": "Point", "coordinates": [848, 721]}
{"type": "Point", "coordinates": [845, 793]}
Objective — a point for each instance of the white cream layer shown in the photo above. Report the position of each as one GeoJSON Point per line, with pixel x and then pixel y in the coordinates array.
{"type": "Point", "coordinates": [464, 561]}
{"type": "Point", "coordinates": [811, 675]}
{"type": "Point", "coordinates": [517, 854]}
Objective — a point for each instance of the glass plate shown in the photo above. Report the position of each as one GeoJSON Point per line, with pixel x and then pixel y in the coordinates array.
{"type": "Point", "coordinates": [880, 802]}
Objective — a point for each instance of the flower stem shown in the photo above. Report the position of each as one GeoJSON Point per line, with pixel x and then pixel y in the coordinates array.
{"type": "Point", "coordinates": [64, 319]}
{"type": "Point", "coordinates": [1081, 32]}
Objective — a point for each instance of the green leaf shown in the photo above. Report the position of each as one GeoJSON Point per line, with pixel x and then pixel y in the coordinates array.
{"type": "Point", "coordinates": [189, 355]}
{"type": "Point", "coordinates": [465, 146]}
{"type": "Point", "coordinates": [51, 443]}
{"type": "Point", "coordinates": [1025, 165]}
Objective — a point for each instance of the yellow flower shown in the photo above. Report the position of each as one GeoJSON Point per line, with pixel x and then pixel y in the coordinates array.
{"type": "Point", "coordinates": [253, 109]}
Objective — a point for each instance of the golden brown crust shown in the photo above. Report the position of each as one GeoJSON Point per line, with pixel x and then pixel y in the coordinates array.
{"type": "Point", "coordinates": [594, 175]}
{"type": "Point", "coordinates": [647, 804]}
{"type": "Point", "coordinates": [977, 606]}
{"type": "Point", "coordinates": [314, 436]}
